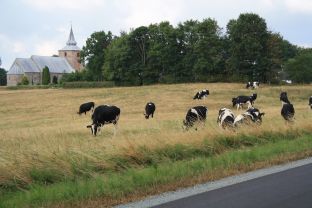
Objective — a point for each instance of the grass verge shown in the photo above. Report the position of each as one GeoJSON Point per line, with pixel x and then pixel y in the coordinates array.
{"type": "Point", "coordinates": [111, 188]}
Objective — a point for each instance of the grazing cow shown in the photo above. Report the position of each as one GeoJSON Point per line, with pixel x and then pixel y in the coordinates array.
{"type": "Point", "coordinates": [104, 114]}
{"type": "Point", "coordinates": [253, 85]}
{"type": "Point", "coordinates": [310, 102]}
{"type": "Point", "coordinates": [149, 110]}
{"type": "Point", "coordinates": [239, 101]}
{"type": "Point", "coordinates": [226, 118]}
{"type": "Point", "coordinates": [288, 111]}
{"type": "Point", "coordinates": [251, 116]}
{"type": "Point", "coordinates": [85, 107]}
{"type": "Point", "coordinates": [195, 114]}
{"type": "Point", "coordinates": [201, 94]}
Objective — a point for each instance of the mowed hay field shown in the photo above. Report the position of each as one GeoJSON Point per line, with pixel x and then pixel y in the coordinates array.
{"type": "Point", "coordinates": [41, 130]}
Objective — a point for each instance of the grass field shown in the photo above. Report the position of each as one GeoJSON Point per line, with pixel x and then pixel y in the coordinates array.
{"type": "Point", "coordinates": [44, 140]}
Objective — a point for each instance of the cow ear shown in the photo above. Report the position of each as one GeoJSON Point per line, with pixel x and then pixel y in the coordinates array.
{"type": "Point", "coordinates": [262, 114]}
{"type": "Point", "coordinates": [89, 126]}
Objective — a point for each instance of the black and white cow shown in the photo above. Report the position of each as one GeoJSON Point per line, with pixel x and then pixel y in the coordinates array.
{"type": "Point", "coordinates": [288, 111]}
{"type": "Point", "coordinates": [201, 94]}
{"type": "Point", "coordinates": [253, 85]}
{"type": "Point", "coordinates": [226, 118]}
{"type": "Point", "coordinates": [85, 107]}
{"type": "Point", "coordinates": [241, 100]}
{"type": "Point", "coordinates": [195, 114]}
{"type": "Point", "coordinates": [251, 116]}
{"type": "Point", "coordinates": [310, 102]}
{"type": "Point", "coordinates": [104, 114]}
{"type": "Point", "coordinates": [149, 110]}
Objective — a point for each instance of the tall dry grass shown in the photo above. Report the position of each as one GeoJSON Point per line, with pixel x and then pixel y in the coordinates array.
{"type": "Point", "coordinates": [40, 129]}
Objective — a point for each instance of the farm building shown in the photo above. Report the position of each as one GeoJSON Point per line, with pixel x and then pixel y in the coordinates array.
{"type": "Point", "coordinates": [68, 61]}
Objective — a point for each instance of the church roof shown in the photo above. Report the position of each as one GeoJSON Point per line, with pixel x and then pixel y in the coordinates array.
{"type": "Point", "coordinates": [37, 63]}
{"type": "Point", "coordinates": [71, 44]}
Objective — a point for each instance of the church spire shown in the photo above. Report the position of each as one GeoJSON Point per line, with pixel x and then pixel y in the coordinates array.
{"type": "Point", "coordinates": [71, 40]}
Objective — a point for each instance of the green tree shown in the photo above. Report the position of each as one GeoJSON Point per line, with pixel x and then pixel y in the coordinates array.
{"type": "Point", "coordinates": [93, 53]}
{"type": "Point", "coordinates": [46, 79]}
{"type": "Point", "coordinates": [299, 68]}
{"type": "Point", "coordinates": [3, 77]}
{"type": "Point", "coordinates": [24, 81]}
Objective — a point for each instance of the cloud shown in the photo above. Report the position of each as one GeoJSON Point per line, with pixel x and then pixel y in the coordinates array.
{"type": "Point", "coordinates": [77, 5]}
{"type": "Point", "coordinates": [47, 48]}
{"type": "Point", "coordinates": [299, 6]}
{"type": "Point", "coordinates": [19, 47]}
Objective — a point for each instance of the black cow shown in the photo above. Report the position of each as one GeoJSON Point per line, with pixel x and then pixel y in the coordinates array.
{"type": "Point", "coordinates": [149, 110]}
{"type": "Point", "coordinates": [85, 107]}
{"type": "Point", "coordinates": [226, 118]}
{"type": "Point", "coordinates": [195, 114]}
{"type": "Point", "coordinates": [253, 85]}
{"type": "Point", "coordinates": [251, 116]}
{"type": "Point", "coordinates": [104, 114]}
{"type": "Point", "coordinates": [201, 94]}
{"type": "Point", "coordinates": [310, 102]}
{"type": "Point", "coordinates": [288, 111]}
{"type": "Point", "coordinates": [242, 99]}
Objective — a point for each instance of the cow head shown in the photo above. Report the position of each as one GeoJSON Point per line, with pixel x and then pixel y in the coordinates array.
{"type": "Point", "coordinates": [234, 101]}
{"type": "Point", "coordinates": [284, 98]}
{"type": "Point", "coordinates": [94, 128]}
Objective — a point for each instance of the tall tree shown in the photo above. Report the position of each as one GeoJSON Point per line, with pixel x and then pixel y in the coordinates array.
{"type": "Point", "coordinates": [3, 77]}
{"type": "Point", "coordinates": [46, 78]}
{"type": "Point", "coordinates": [93, 53]}
{"type": "Point", "coordinates": [299, 68]}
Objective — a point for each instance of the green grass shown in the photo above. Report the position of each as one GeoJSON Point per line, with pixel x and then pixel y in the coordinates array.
{"type": "Point", "coordinates": [129, 181]}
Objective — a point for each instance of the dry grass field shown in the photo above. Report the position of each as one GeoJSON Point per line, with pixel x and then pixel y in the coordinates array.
{"type": "Point", "coordinates": [41, 128]}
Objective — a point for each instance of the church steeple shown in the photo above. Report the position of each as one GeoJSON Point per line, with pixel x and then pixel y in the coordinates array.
{"type": "Point", "coordinates": [71, 40]}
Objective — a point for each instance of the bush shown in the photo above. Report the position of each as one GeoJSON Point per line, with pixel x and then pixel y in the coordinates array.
{"type": "Point", "coordinates": [88, 84]}
{"type": "Point", "coordinates": [46, 76]}
{"type": "Point", "coordinates": [24, 81]}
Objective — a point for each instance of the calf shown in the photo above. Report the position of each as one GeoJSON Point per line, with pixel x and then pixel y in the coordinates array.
{"type": "Point", "coordinates": [149, 110]}
{"type": "Point", "coordinates": [85, 107]}
{"type": "Point", "coordinates": [288, 111]}
{"type": "Point", "coordinates": [310, 102]}
{"type": "Point", "coordinates": [239, 101]}
{"type": "Point", "coordinates": [251, 116]}
{"type": "Point", "coordinates": [226, 118]}
{"type": "Point", "coordinates": [253, 85]}
{"type": "Point", "coordinates": [104, 114]}
{"type": "Point", "coordinates": [201, 94]}
{"type": "Point", "coordinates": [195, 114]}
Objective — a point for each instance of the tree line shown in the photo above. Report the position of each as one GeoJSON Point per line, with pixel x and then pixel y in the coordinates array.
{"type": "Point", "coordinates": [193, 51]}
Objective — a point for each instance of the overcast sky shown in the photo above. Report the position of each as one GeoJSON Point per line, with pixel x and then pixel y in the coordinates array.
{"type": "Point", "coordinates": [41, 27]}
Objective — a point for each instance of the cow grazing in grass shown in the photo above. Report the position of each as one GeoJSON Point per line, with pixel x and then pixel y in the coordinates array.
{"type": "Point", "coordinates": [252, 85]}
{"type": "Point", "coordinates": [149, 110]}
{"type": "Point", "coordinates": [85, 107]}
{"type": "Point", "coordinates": [288, 111]}
{"type": "Point", "coordinates": [241, 100]}
{"type": "Point", "coordinates": [194, 115]}
{"type": "Point", "coordinates": [201, 94]}
{"type": "Point", "coordinates": [250, 117]}
{"type": "Point", "coordinates": [226, 118]}
{"type": "Point", "coordinates": [104, 114]}
{"type": "Point", "coordinates": [310, 102]}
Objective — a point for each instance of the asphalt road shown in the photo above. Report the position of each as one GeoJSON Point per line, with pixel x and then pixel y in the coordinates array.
{"type": "Point", "coordinates": [287, 189]}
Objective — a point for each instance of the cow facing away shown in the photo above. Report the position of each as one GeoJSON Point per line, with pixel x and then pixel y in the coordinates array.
{"type": "Point", "coordinates": [288, 111]}
{"type": "Point", "coordinates": [241, 100]}
{"type": "Point", "coordinates": [253, 85]}
{"type": "Point", "coordinates": [310, 102]}
{"type": "Point", "coordinates": [195, 115]}
{"type": "Point", "coordinates": [250, 117]}
{"type": "Point", "coordinates": [201, 94]}
{"type": "Point", "coordinates": [226, 118]}
{"type": "Point", "coordinates": [149, 110]}
{"type": "Point", "coordinates": [104, 114]}
{"type": "Point", "coordinates": [85, 107]}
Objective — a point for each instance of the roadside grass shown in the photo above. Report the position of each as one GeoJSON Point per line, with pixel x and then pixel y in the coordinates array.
{"type": "Point", "coordinates": [142, 181]}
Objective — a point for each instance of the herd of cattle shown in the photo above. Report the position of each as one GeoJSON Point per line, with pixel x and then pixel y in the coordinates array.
{"type": "Point", "coordinates": [106, 114]}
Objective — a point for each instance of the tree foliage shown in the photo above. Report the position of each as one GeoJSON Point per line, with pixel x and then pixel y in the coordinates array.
{"type": "Point", "coordinates": [3, 77]}
{"type": "Point", "coordinates": [24, 81]}
{"type": "Point", "coordinates": [299, 69]}
{"type": "Point", "coordinates": [46, 78]}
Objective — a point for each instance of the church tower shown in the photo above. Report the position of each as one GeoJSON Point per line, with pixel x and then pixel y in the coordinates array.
{"type": "Point", "coordinates": [71, 52]}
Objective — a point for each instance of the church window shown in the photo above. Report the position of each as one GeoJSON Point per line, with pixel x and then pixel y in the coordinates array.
{"type": "Point", "coordinates": [65, 54]}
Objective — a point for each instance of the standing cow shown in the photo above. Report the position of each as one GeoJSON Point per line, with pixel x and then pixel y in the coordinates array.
{"type": "Point", "coordinates": [241, 100]}
{"type": "Point", "coordinates": [104, 114]}
{"type": "Point", "coordinates": [201, 94]}
{"type": "Point", "coordinates": [288, 111]}
{"type": "Point", "coordinates": [253, 85]}
{"type": "Point", "coordinates": [85, 107]}
{"type": "Point", "coordinates": [310, 102]}
{"type": "Point", "coordinates": [226, 118]}
{"type": "Point", "coordinates": [149, 110]}
{"type": "Point", "coordinates": [195, 114]}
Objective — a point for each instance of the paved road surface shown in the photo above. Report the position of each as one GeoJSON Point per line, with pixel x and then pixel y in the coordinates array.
{"type": "Point", "coordinates": [288, 189]}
